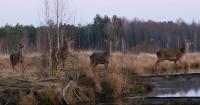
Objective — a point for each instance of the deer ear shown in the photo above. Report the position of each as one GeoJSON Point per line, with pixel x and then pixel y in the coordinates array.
{"type": "Point", "coordinates": [21, 45]}
{"type": "Point", "coordinates": [106, 40]}
{"type": "Point", "coordinates": [186, 40]}
{"type": "Point", "coordinates": [72, 42]}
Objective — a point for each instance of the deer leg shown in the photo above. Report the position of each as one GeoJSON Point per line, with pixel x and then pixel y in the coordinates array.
{"type": "Point", "coordinates": [93, 68]}
{"type": "Point", "coordinates": [13, 67]}
{"type": "Point", "coordinates": [157, 67]}
{"type": "Point", "coordinates": [157, 64]}
{"type": "Point", "coordinates": [106, 65]}
{"type": "Point", "coordinates": [63, 64]}
{"type": "Point", "coordinates": [185, 66]}
{"type": "Point", "coordinates": [175, 67]}
{"type": "Point", "coordinates": [22, 63]}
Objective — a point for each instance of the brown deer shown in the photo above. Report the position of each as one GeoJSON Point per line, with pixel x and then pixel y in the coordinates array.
{"type": "Point", "coordinates": [65, 51]}
{"type": "Point", "coordinates": [101, 57]}
{"type": "Point", "coordinates": [172, 54]}
{"type": "Point", "coordinates": [18, 57]}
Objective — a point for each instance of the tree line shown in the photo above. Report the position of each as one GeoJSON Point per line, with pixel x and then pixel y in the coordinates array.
{"type": "Point", "coordinates": [126, 35]}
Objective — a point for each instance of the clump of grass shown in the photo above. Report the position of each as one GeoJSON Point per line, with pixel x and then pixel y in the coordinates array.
{"type": "Point", "coordinates": [150, 70]}
{"type": "Point", "coordinates": [135, 87]}
{"type": "Point", "coordinates": [166, 68]}
{"type": "Point", "coordinates": [107, 88]}
{"type": "Point", "coordinates": [50, 95]}
{"type": "Point", "coordinates": [139, 88]}
{"type": "Point", "coordinates": [9, 94]}
{"type": "Point", "coordinates": [128, 71]}
{"type": "Point", "coordinates": [195, 65]}
{"type": "Point", "coordinates": [113, 85]}
{"type": "Point", "coordinates": [28, 100]}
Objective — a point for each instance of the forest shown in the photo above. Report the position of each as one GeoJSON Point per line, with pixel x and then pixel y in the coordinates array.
{"type": "Point", "coordinates": [126, 35]}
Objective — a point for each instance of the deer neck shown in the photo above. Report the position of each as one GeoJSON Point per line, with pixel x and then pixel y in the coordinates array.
{"type": "Point", "coordinates": [108, 51]}
{"type": "Point", "coordinates": [21, 51]}
{"type": "Point", "coordinates": [185, 48]}
{"type": "Point", "coordinates": [69, 48]}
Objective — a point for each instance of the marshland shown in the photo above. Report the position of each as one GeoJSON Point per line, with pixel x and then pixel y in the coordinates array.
{"type": "Point", "coordinates": [78, 57]}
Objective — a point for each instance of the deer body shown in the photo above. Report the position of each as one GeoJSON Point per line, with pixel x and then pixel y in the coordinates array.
{"type": "Point", "coordinates": [64, 52]}
{"type": "Point", "coordinates": [172, 54]}
{"type": "Point", "coordinates": [101, 57]}
{"type": "Point", "coordinates": [17, 57]}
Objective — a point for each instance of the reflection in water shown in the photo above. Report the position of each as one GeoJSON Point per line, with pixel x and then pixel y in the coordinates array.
{"type": "Point", "coordinates": [177, 87]}
{"type": "Point", "coordinates": [190, 93]}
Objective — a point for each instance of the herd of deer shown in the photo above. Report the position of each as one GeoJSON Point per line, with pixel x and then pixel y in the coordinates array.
{"type": "Point", "coordinates": [103, 57]}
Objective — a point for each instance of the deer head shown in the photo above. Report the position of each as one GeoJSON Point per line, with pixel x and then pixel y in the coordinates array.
{"type": "Point", "coordinates": [187, 44]}
{"type": "Point", "coordinates": [21, 45]}
{"type": "Point", "coordinates": [108, 44]}
{"type": "Point", "coordinates": [68, 44]}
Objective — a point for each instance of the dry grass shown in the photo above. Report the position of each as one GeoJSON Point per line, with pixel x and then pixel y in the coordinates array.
{"type": "Point", "coordinates": [116, 79]}
{"type": "Point", "coordinates": [142, 63]}
{"type": "Point", "coordinates": [136, 63]}
{"type": "Point", "coordinates": [28, 100]}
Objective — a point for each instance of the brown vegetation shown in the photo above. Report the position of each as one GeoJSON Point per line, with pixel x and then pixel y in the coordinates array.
{"type": "Point", "coordinates": [116, 81]}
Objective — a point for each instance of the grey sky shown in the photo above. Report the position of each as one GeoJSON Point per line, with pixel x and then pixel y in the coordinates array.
{"type": "Point", "coordinates": [29, 11]}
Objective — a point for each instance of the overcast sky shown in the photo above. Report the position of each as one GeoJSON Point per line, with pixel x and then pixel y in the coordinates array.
{"type": "Point", "coordinates": [30, 11]}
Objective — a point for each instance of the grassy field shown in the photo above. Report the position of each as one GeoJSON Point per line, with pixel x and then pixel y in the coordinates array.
{"type": "Point", "coordinates": [115, 82]}
{"type": "Point", "coordinates": [141, 63]}
{"type": "Point", "coordinates": [144, 63]}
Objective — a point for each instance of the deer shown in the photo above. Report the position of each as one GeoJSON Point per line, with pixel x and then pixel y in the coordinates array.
{"type": "Point", "coordinates": [65, 51]}
{"type": "Point", "coordinates": [101, 57]}
{"type": "Point", "coordinates": [18, 57]}
{"type": "Point", "coordinates": [60, 55]}
{"type": "Point", "coordinates": [174, 55]}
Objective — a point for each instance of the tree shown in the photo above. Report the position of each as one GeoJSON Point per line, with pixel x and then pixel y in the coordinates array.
{"type": "Point", "coordinates": [54, 20]}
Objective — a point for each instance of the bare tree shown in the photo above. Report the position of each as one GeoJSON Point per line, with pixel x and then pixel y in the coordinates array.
{"type": "Point", "coordinates": [55, 15]}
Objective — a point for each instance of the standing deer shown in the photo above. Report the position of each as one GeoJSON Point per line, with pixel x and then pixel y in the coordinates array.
{"type": "Point", "coordinates": [65, 51]}
{"type": "Point", "coordinates": [101, 57]}
{"type": "Point", "coordinates": [60, 55]}
{"type": "Point", "coordinates": [172, 54]}
{"type": "Point", "coordinates": [18, 57]}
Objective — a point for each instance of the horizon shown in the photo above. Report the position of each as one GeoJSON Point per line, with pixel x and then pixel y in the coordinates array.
{"type": "Point", "coordinates": [30, 12]}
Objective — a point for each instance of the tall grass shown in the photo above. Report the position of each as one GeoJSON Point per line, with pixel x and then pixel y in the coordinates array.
{"type": "Point", "coordinates": [115, 82]}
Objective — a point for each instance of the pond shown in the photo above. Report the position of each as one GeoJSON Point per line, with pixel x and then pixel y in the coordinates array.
{"type": "Point", "coordinates": [170, 90]}
{"type": "Point", "coordinates": [189, 93]}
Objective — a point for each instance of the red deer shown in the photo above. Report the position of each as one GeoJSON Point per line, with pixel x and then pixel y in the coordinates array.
{"type": "Point", "coordinates": [101, 57]}
{"type": "Point", "coordinates": [65, 51]}
{"type": "Point", "coordinates": [18, 57]}
{"type": "Point", "coordinates": [172, 54]}
{"type": "Point", "coordinates": [62, 53]}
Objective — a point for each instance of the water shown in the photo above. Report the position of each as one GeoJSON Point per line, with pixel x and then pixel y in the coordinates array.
{"type": "Point", "coordinates": [173, 90]}
{"type": "Point", "coordinates": [189, 93]}
{"type": "Point", "coordinates": [177, 86]}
